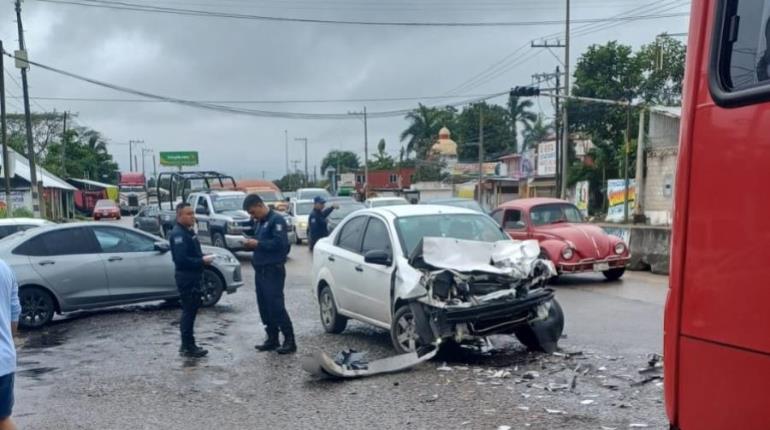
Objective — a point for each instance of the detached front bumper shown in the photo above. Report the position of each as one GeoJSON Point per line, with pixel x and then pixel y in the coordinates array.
{"type": "Point", "coordinates": [499, 316]}
{"type": "Point", "coordinates": [593, 265]}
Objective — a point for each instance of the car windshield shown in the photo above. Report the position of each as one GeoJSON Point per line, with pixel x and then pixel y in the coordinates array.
{"type": "Point", "coordinates": [345, 209]}
{"type": "Point", "coordinates": [227, 203]}
{"type": "Point", "coordinates": [304, 208]}
{"type": "Point", "coordinates": [389, 202]}
{"type": "Point", "coordinates": [555, 213]}
{"type": "Point", "coordinates": [105, 204]}
{"type": "Point", "coordinates": [412, 229]}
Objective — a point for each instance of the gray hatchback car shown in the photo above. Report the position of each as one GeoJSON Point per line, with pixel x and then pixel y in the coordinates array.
{"type": "Point", "coordinates": [69, 267]}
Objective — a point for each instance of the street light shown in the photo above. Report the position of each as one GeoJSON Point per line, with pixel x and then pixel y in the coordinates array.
{"type": "Point", "coordinates": [366, 149]}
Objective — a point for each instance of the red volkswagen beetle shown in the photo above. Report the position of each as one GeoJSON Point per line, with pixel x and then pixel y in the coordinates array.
{"type": "Point", "coordinates": [573, 245]}
{"type": "Point", "coordinates": [106, 209]}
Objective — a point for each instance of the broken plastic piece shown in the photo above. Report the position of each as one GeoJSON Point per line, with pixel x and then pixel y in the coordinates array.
{"type": "Point", "coordinates": [352, 360]}
{"type": "Point", "coordinates": [321, 365]}
{"type": "Point", "coordinates": [588, 402]}
{"type": "Point", "coordinates": [555, 411]}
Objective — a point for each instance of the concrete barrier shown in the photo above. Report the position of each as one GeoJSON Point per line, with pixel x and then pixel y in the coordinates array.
{"type": "Point", "coordinates": [650, 245]}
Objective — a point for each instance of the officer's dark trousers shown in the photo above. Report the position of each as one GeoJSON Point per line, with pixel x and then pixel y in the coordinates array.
{"type": "Point", "coordinates": [268, 281]}
{"type": "Point", "coordinates": [188, 285]}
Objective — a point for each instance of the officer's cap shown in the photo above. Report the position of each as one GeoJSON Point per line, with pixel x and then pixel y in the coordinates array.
{"type": "Point", "coordinates": [319, 200]}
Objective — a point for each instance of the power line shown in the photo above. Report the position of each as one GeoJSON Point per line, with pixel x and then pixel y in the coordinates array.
{"type": "Point", "coordinates": [251, 112]}
{"type": "Point", "coordinates": [117, 5]}
{"type": "Point", "coordinates": [493, 71]}
{"type": "Point", "coordinates": [287, 101]}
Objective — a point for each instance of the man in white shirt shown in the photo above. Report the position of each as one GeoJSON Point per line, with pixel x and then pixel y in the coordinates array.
{"type": "Point", "coordinates": [10, 309]}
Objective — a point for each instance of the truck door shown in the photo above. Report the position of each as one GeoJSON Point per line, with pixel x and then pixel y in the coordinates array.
{"type": "Point", "coordinates": [202, 218]}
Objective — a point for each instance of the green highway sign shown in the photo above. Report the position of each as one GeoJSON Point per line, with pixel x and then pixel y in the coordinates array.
{"type": "Point", "coordinates": [179, 158]}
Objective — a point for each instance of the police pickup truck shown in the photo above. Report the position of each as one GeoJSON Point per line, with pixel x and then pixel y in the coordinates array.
{"type": "Point", "coordinates": [221, 220]}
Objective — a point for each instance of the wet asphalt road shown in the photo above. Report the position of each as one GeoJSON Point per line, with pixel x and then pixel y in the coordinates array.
{"type": "Point", "coordinates": [119, 369]}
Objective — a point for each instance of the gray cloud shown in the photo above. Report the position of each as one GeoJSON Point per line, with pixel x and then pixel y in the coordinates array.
{"type": "Point", "coordinates": [202, 58]}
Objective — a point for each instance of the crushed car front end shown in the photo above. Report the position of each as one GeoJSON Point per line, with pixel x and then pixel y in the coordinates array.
{"type": "Point", "coordinates": [470, 290]}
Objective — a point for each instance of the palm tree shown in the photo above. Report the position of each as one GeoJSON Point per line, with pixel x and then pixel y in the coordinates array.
{"type": "Point", "coordinates": [425, 124]}
{"type": "Point", "coordinates": [95, 142]}
{"type": "Point", "coordinates": [536, 132]}
{"type": "Point", "coordinates": [519, 112]}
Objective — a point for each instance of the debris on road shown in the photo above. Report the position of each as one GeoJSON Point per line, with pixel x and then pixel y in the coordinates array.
{"type": "Point", "coordinates": [638, 426]}
{"type": "Point", "coordinates": [587, 402]}
{"type": "Point", "coordinates": [555, 411]}
{"type": "Point", "coordinates": [352, 360]}
{"type": "Point", "coordinates": [322, 366]}
{"type": "Point", "coordinates": [530, 375]}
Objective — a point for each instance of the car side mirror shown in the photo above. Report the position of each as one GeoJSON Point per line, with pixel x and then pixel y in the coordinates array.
{"type": "Point", "coordinates": [162, 247]}
{"type": "Point", "coordinates": [200, 210]}
{"type": "Point", "coordinates": [378, 257]}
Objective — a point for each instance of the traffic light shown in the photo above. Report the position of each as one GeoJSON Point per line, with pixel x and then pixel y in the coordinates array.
{"type": "Point", "coordinates": [525, 92]}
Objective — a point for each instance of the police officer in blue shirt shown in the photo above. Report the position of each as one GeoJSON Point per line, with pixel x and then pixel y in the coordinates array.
{"type": "Point", "coordinates": [271, 248]}
{"type": "Point", "coordinates": [318, 226]}
{"type": "Point", "coordinates": [188, 262]}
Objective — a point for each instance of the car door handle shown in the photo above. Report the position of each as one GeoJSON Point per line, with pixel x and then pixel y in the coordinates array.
{"type": "Point", "coordinates": [359, 269]}
{"type": "Point", "coordinates": [115, 258]}
{"type": "Point", "coordinates": [46, 262]}
{"type": "Point", "coordinates": [331, 258]}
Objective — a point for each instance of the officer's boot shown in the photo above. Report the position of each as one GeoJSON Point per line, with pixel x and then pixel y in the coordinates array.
{"type": "Point", "coordinates": [289, 345]}
{"type": "Point", "coordinates": [190, 350]}
{"type": "Point", "coordinates": [271, 343]}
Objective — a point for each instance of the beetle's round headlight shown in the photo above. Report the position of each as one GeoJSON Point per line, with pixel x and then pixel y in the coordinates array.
{"type": "Point", "coordinates": [620, 248]}
{"type": "Point", "coordinates": [567, 253]}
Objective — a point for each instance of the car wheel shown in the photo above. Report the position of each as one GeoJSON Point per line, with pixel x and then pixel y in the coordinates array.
{"type": "Point", "coordinates": [543, 335]}
{"type": "Point", "coordinates": [403, 331]}
{"type": "Point", "coordinates": [332, 321]}
{"type": "Point", "coordinates": [37, 307]}
{"type": "Point", "coordinates": [614, 274]}
{"type": "Point", "coordinates": [219, 241]}
{"type": "Point", "coordinates": [213, 287]}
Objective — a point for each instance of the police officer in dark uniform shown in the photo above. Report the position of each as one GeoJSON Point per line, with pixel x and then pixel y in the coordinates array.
{"type": "Point", "coordinates": [188, 262]}
{"type": "Point", "coordinates": [271, 248]}
{"type": "Point", "coordinates": [318, 226]}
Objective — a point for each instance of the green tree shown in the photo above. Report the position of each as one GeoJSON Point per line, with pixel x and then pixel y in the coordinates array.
{"type": "Point", "coordinates": [497, 138]}
{"type": "Point", "coordinates": [425, 123]}
{"type": "Point", "coordinates": [519, 113]}
{"type": "Point", "coordinates": [290, 182]}
{"type": "Point", "coordinates": [536, 132]}
{"type": "Point", "coordinates": [382, 161]}
{"type": "Point", "coordinates": [342, 161]}
{"type": "Point", "coordinates": [662, 63]}
{"type": "Point", "coordinates": [85, 156]}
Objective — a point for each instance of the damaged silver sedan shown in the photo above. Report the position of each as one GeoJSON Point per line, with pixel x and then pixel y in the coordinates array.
{"type": "Point", "coordinates": [435, 275]}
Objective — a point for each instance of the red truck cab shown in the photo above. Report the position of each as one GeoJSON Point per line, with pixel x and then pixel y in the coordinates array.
{"type": "Point", "coordinates": [717, 350]}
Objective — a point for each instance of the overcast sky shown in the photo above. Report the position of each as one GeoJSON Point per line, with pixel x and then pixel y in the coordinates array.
{"type": "Point", "coordinates": [205, 58]}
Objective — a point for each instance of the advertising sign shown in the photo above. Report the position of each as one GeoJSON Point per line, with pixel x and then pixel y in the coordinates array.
{"type": "Point", "coordinates": [581, 197]}
{"type": "Point", "coordinates": [616, 194]}
{"type": "Point", "coordinates": [546, 159]}
{"type": "Point", "coordinates": [179, 158]}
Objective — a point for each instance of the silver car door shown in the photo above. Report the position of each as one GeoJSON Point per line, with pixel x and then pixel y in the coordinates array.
{"type": "Point", "coordinates": [373, 283]}
{"type": "Point", "coordinates": [135, 269]}
{"type": "Point", "coordinates": [69, 261]}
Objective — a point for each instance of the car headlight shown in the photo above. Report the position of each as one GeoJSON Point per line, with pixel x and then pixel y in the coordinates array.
{"type": "Point", "coordinates": [303, 225]}
{"type": "Point", "coordinates": [620, 248]}
{"type": "Point", "coordinates": [567, 253]}
{"type": "Point", "coordinates": [226, 258]}
{"type": "Point", "coordinates": [234, 227]}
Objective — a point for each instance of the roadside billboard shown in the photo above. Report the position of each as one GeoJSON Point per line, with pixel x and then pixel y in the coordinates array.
{"type": "Point", "coordinates": [546, 159]}
{"type": "Point", "coordinates": [179, 158]}
{"type": "Point", "coordinates": [616, 194]}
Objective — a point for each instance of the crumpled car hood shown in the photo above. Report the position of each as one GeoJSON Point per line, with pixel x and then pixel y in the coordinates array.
{"type": "Point", "coordinates": [515, 259]}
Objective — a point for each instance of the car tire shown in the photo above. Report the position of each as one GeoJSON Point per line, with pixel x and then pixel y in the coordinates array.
{"type": "Point", "coordinates": [213, 287]}
{"type": "Point", "coordinates": [37, 307]}
{"type": "Point", "coordinates": [552, 326]}
{"type": "Point", "coordinates": [403, 331]}
{"type": "Point", "coordinates": [614, 274]}
{"type": "Point", "coordinates": [218, 240]}
{"type": "Point", "coordinates": [331, 320]}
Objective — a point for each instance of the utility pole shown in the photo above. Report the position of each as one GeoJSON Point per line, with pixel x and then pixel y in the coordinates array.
{"type": "Point", "coordinates": [145, 151]}
{"type": "Point", "coordinates": [366, 155]}
{"type": "Point", "coordinates": [625, 162]}
{"type": "Point", "coordinates": [639, 206]}
{"type": "Point", "coordinates": [23, 65]}
{"type": "Point", "coordinates": [131, 158]}
{"type": "Point", "coordinates": [304, 139]}
{"type": "Point", "coordinates": [481, 154]}
{"type": "Point", "coordinates": [294, 172]}
{"type": "Point", "coordinates": [4, 137]}
{"type": "Point", "coordinates": [154, 168]}
{"type": "Point", "coordinates": [64, 145]}
{"type": "Point", "coordinates": [565, 115]}
{"type": "Point", "coordinates": [286, 138]}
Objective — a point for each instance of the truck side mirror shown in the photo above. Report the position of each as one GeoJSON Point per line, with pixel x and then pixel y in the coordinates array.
{"type": "Point", "coordinates": [200, 210]}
